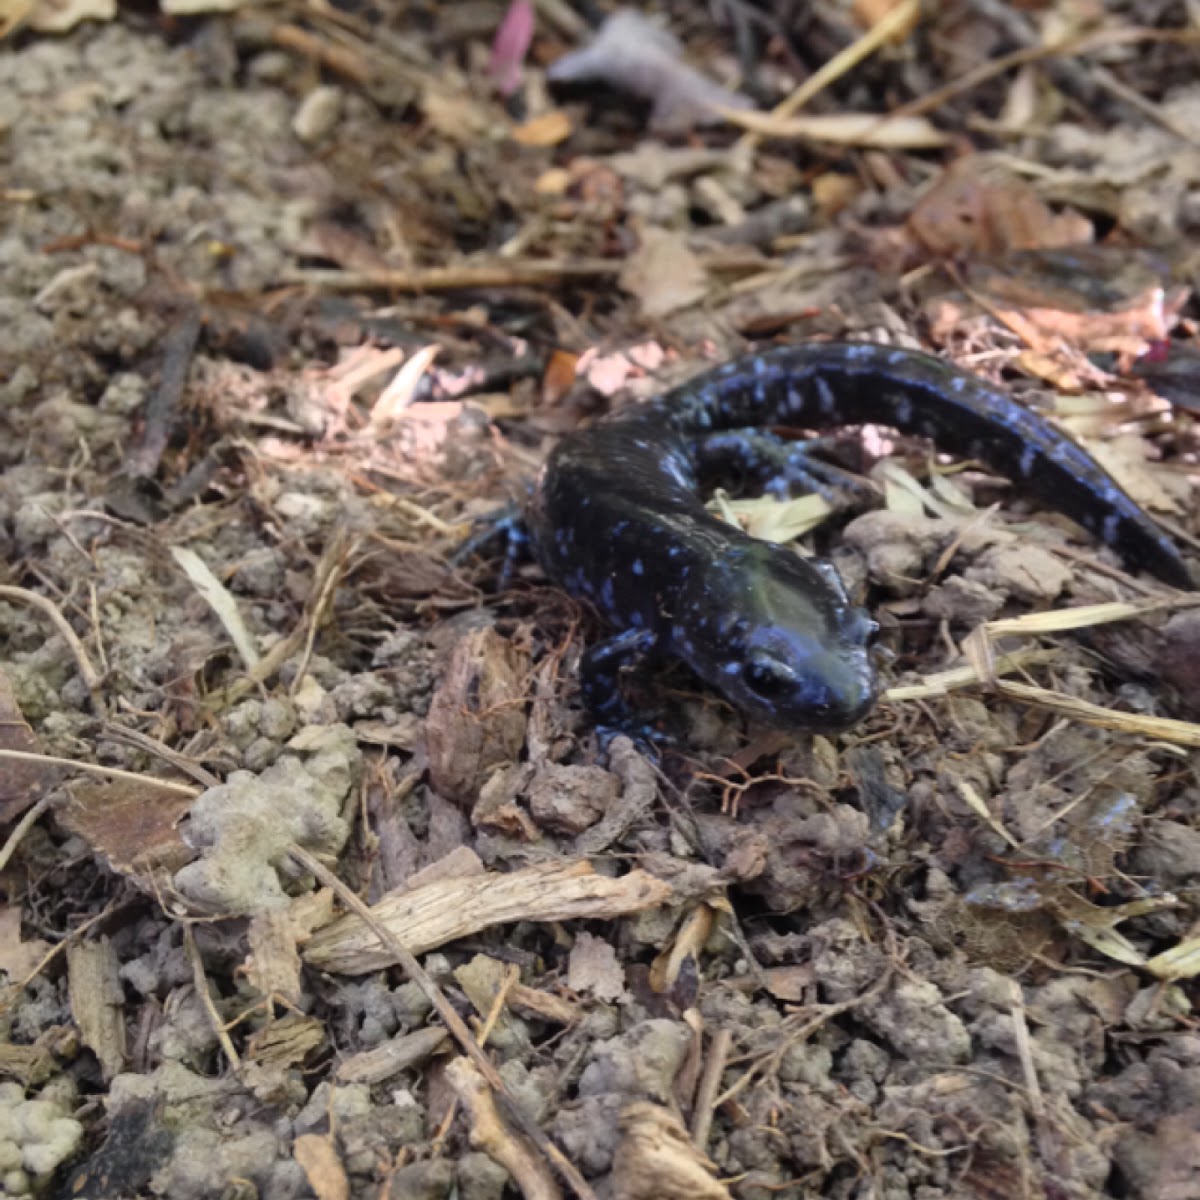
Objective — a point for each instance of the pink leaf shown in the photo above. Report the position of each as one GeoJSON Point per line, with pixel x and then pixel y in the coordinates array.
{"type": "Point", "coordinates": [510, 46]}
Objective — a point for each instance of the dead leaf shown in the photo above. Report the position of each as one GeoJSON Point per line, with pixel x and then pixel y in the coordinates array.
{"type": "Point", "coordinates": [594, 969]}
{"type": "Point", "coordinates": [456, 115]}
{"type": "Point", "coordinates": [978, 207]}
{"type": "Point", "coordinates": [18, 959]}
{"type": "Point", "coordinates": [477, 717]}
{"type": "Point", "coordinates": [687, 944]}
{"type": "Point", "coordinates": [770, 519]}
{"type": "Point", "coordinates": [663, 273]}
{"type": "Point", "coordinates": [286, 1042]}
{"type": "Point", "coordinates": [132, 824]}
{"type": "Point", "coordinates": [656, 1160]}
{"type": "Point", "coordinates": [547, 130]}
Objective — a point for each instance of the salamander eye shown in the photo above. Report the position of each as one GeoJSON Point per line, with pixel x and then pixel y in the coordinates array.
{"type": "Point", "coordinates": [768, 677]}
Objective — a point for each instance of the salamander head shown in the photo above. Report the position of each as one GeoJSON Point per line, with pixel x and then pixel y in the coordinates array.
{"type": "Point", "coordinates": [777, 635]}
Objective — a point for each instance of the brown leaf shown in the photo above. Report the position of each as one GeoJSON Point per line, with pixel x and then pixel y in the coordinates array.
{"type": "Point", "coordinates": [132, 823]}
{"type": "Point", "coordinates": [663, 273]}
{"type": "Point", "coordinates": [977, 208]}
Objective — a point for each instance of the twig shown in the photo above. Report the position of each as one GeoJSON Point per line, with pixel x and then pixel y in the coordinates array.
{"type": "Point", "coordinates": [456, 1025]}
{"type": "Point", "coordinates": [200, 981]}
{"type": "Point", "coordinates": [143, 741]}
{"type": "Point", "coordinates": [96, 769]}
{"type": "Point", "coordinates": [1030, 54]}
{"type": "Point", "coordinates": [1025, 1050]}
{"type": "Point", "coordinates": [335, 556]}
{"type": "Point", "coordinates": [11, 994]}
{"type": "Point", "coordinates": [509, 273]}
{"type": "Point", "coordinates": [22, 827]}
{"type": "Point", "coordinates": [706, 1093]}
{"type": "Point", "coordinates": [489, 1133]}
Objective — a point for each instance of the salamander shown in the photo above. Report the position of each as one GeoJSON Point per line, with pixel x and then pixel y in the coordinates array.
{"type": "Point", "coordinates": [616, 518]}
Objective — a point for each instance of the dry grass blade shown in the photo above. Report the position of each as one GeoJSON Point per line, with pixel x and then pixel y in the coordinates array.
{"type": "Point", "coordinates": [95, 769]}
{"type": "Point", "coordinates": [1084, 616]}
{"type": "Point", "coordinates": [898, 21]}
{"type": "Point", "coordinates": [1156, 729]}
{"type": "Point", "coordinates": [972, 799]}
{"type": "Point", "coordinates": [957, 678]}
{"type": "Point", "coordinates": [984, 667]}
{"type": "Point", "coordinates": [1180, 962]}
{"type": "Point", "coordinates": [844, 129]}
{"type": "Point", "coordinates": [219, 599]}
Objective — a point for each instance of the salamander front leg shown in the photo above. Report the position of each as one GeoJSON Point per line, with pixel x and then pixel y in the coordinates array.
{"type": "Point", "coordinates": [600, 684]}
{"type": "Point", "coordinates": [506, 525]}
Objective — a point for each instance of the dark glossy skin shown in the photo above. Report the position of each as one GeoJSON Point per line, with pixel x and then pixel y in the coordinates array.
{"type": "Point", "coordinates": [617, 520]}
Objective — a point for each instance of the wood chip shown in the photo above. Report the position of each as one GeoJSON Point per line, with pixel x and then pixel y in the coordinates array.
{"type": "Point", "coordinates": [98, 1001]}
{"type": "Point", "coordinates": [445, 910]}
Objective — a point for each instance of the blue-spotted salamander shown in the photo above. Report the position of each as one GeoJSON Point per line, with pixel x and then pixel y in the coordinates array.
{"type": "Point", "coordinates": [616, 519]}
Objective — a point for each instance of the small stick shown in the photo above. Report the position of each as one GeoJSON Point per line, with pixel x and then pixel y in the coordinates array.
{"type": "Point", "coordinates": [200, 981]}
{"type": "Point", "coordinates": [22, 827]}
{"type": "Point", "coordinates": [508, 273]}
{"type": "Point", "coordinates": [95, 769]}
{"type": "Point", "coordinates": [710, 1081]}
